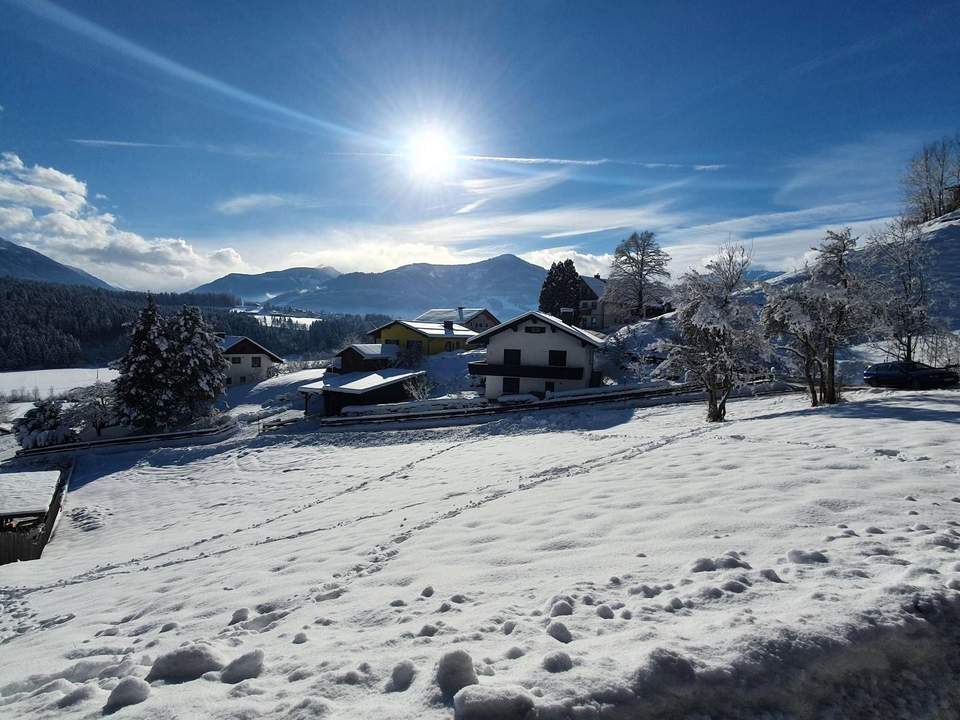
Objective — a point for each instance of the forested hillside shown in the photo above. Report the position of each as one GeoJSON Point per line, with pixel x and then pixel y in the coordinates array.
{"type": "Point", "coordinates": [43, 325]}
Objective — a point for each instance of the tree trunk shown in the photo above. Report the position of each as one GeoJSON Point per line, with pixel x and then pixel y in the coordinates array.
{"type": "Point", "coordinates": [832, 396]}
{"type": "Point", "coordinates": [716, 408]}
{"type": "Point", "coordinates": [811, 386]}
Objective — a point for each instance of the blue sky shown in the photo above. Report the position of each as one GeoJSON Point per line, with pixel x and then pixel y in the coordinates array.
{"type": "Point", "coordinates": [160, 144]}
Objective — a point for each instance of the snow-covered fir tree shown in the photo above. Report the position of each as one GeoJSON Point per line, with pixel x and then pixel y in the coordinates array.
{"type": "Point", "coordinates": [194, 352]}
{"type": "Point", "coordinates": [144, 394]}
{"type": "Point", "coordinates": [718, 341]}
{"type": "Point", "coordinates": [43, 425]}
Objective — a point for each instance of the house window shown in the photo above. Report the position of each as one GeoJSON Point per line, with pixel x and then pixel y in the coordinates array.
{"type": "Point", "coordinates": [235, 360]}
{"type": "Point", "coordinates": [511, 357]}
{"type": "Point", "coordinates": [414, 344]}
{"type": "Point", "coordinates": [448, 346]}
{"type": "Point", "coordinates": [511, 386]}
{"type": "Point", "coordinates": [391, 342]}
{"type": "Point", "coordinates": [243, 379]}
{"type": "Point", "coordinates": [549, 386]}
{"type": "Point", "coordinates": [535, 329]}
{"type": "Point", "coordinates": [558, 358]}
{"type": "Point", "coordinates": [255, 361]}
{"type": "Point", "coordinates": [229, 380]}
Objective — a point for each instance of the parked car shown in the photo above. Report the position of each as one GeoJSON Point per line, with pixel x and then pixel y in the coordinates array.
{"type": "Point", "coordinates": [905, 374]}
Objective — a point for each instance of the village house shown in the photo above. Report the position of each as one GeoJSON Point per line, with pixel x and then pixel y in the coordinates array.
{"type": "Point", "coordinates": [535, 353]}
{"type": "Point", "coordinates": [477, 319]}
{"type": "Point", "coordinates": [364, 357]}
{"type": "Point", "coordinates": [247, 361]}
{"type": "Point", "coordinates": [358, 388]}
{"type": "Point", "coordinates": [427, 338]}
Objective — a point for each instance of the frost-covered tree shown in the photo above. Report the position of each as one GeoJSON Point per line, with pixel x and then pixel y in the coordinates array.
{"type": "Point", "coordinates": [419, 387]}
{"type": "Point", "coordinates": [930, 176]}
{"type": "Point", "coordinates": [561, 289]}
{"type": "Point", "coordinates": [842, 308]}
{"type": "Point", "coordinates": [790, 318]}
{"type": "Point", "coordinates": [638, 272]}
{"type": "Point", "coordinates": [144, 393]}
{"type": "Point", "coordinates": [92, 407]}
{"type": "Point", "coordinates": [718, 341]}
{"type": "Point", "coordinates": [197, 369]}
{"type": "Point", "coordinates": [902, 287]}
{"type": "Point", "coordinates": [43, 425]}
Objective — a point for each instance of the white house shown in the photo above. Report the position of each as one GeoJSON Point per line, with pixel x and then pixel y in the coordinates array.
{"type": "Point", "coordinates": [535, 353]}
{"type": "Point", "coordinates": [247, 361]}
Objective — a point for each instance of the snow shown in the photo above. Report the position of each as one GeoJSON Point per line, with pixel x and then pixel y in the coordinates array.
{"type": "Point", "coordinates": [435, 329]}
{"type": "Point", "coordinates": [22, 492]}
{"type": "Point", "coordinates": [59, 381]}
{"type": "Point", "coordinates": [439, 315]}
{"type": "Point", "coordinates": [376, 351]}
{"type": "Point", "coordinates": [579, 333]}
{"type": "Point", "coordinates": [336, 535]}
{"type": "Point", "coordinates": [357, 383]}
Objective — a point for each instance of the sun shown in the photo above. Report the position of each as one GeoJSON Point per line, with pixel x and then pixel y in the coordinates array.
{"type": "Point", "coordinates": [430, 154]}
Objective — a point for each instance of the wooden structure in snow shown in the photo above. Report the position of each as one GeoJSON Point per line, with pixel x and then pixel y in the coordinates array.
{"type": "Point", "coordinates": [30, 507]}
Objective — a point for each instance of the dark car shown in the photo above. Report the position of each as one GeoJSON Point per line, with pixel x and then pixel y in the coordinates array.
{"type": "Point", "coordinates": [905, 374]}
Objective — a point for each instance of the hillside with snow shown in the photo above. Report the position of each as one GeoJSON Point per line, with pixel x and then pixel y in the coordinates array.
{"type": "Point", "coordinates": [613, 562]}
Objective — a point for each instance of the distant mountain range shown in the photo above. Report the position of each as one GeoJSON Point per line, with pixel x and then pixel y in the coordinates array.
{"type": "Point", "coordinates": [266, 286]}
{"type": "Point", "coordinates": [23, 263]}
{"type": "Point", "coordinates": [505, 284]}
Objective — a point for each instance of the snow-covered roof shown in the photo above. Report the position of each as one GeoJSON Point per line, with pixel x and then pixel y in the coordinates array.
{"type": "Point", "coordinates": [228, 341]}
{"type": "Point", "coordinates": [432, 329]}
{"type": "Point", "coordinates": [597, 285]}
{"type": "Point", "coordinates": [579, 333]}
{"type": "Point", "coordinates": [358, 383]}
{"type": "Point", "coordinates": [452, 314]}
{"type": "Point", "coordinates": [27, 492]}
{"type": "Point", "coordinates": [376, 351]}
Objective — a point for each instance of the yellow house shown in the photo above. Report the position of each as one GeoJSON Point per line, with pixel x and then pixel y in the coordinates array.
{"type": "Point", "coordinates": [428, 338]}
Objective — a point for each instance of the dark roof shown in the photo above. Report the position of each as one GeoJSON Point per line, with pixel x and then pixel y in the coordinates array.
{"type": "Point", "coordinates": [579, 333]}
{"type": "Point", "coordinates": [242, 345]}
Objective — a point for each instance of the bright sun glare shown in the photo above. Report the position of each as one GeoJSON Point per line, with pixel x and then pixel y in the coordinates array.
{"type": "Point", "coordinates": [430, 154]}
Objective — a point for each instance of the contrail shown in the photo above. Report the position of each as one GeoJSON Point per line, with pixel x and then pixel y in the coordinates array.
{"type": "Point", "coordinates": [70, 21]}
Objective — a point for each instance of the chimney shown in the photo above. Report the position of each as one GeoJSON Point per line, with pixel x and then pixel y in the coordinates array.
{"type": "Point", "coordinates": [460, 312]}
{"type": "Point", "coordinates": [566, 314]}
{"type": "Point", "coordinates": [448, 325]}
{"type": "Point", "coordinates": [597, 276]}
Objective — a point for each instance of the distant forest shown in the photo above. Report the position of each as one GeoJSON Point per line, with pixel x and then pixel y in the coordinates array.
{"type": "Point", "coordinates": [43, 325]}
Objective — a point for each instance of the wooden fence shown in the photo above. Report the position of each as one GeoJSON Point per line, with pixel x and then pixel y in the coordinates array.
{"type": "Point", "coordinates": [29, 545]}
{"type": "Point", "coordinates": [130, 440]}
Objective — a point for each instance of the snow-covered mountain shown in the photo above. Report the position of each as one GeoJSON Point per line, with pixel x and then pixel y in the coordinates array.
{"type": "Point", "coordinates": [505, 284]}
{"type": "Point", "coordinates": [23, 263]}
{"type": "Point", "coordinates": [264, 286]}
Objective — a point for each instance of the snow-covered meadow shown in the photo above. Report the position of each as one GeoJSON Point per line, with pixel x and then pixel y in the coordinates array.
{"type": "Point", "coordinates": [613, 562]}
{"type": "Point", "coordinates": [52, 382]}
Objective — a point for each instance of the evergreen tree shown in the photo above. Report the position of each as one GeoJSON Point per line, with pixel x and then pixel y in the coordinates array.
{"type": "Point", "coordinates": [200, 369]}
{"type": "Point", "coordinates": [561, 289]}
{"type": "Point", "coordinates": [144, 392]}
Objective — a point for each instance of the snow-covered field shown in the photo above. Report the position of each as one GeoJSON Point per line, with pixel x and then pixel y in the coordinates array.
{"type": "Point", "coordinates": [56, 380]}
{"type": "Point", "coordinates": [615, 563]}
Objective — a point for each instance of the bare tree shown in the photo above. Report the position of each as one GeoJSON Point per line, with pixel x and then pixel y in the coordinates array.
{"type": "Point", "coordinates": [929, 177]}
{"type": "Point", "coordinates": [902, 288]}
{"type": "Point", "coordinates": [419, 387]}
{"type": "Point", "coordinates": [639, 270]}
{"type": "Point", "coordinates": [718, 338]}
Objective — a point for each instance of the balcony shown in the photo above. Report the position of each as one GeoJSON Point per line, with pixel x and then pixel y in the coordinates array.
{"type": "Point", "coordinates": [548, 372]}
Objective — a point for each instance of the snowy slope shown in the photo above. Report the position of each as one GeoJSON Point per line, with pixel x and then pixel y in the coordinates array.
{"type": "Point", "coordinates": [324, 546]}
{"type": "Point", "coordinates": [23, 263]}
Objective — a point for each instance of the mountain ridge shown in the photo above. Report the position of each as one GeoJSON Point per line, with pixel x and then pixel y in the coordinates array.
{"type": "Point", "coordinates": [22, 263]}
{"type": "Point", "coordinates": [260, 287]}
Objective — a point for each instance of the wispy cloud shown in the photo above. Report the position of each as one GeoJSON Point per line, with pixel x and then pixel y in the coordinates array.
{"type": "Point", "coordinates": [532, 160]}
{"type": "Point", "coordinates": [511, 186]}
{"type": "Point", "coordinates": [238, 151]}
{"type": "Point", "coordinates": [254, 202]}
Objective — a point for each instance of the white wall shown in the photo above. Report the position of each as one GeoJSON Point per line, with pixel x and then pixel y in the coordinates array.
{"type": "Point", "coordinates": [535, 350]}
{"type": "Point", "coordinates": [244, 372]}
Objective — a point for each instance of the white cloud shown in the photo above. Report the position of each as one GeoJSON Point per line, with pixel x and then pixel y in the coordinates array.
{"type": "Point", "coordinates": [47, 210]}
{"type": "Point", "coordinates": [587, 263]}
{"type": "Point", "coordinates": [254, 202]}
{"type": "Point", "coordinates": [510, 186]}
